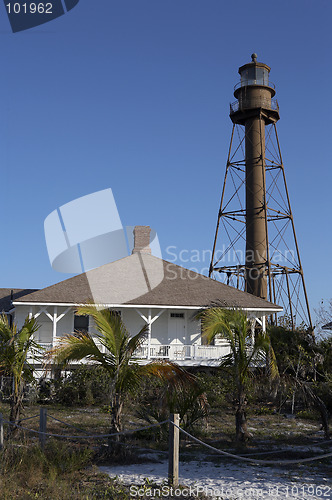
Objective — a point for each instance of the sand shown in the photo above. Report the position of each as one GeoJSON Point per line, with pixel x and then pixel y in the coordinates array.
{"type": "Point", "coordinates": [219, 479]}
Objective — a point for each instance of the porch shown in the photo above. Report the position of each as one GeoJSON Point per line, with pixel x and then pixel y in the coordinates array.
{"type": "Point", "coordinates": [179, 353]}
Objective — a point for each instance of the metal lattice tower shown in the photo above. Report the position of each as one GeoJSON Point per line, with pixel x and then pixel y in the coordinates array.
{"type": "Point", "coordinates": [255, 246]}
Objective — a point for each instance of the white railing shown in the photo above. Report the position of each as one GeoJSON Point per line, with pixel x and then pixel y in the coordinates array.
{"type": "Point", "coordinates": [176, 352]}
{"type": "Point", "coordinates": [37, 353]}
{"type": "Point", "coordinates": [172, 352]}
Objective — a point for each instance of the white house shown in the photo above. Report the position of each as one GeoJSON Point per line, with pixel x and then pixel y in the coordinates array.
{"type": "Point", "coordinates": [144, 290]}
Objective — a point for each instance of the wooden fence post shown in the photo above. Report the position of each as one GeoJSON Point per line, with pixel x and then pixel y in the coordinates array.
{"type": "Point", "coordinates": [42, 427]}
{"type": "Point", "coordinates": [1, 431]}
{"type": "Point", "coordinates": [173, 450]}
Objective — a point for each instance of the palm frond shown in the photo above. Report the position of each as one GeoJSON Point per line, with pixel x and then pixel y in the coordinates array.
{"type": "Point", "coordinates": [168, 372]}
{"type": "Point", "coordinates": [75, 347]}
{"type": "Point", "coordinates": [109, 325]}
{"type": "Point", "coordinates": [15, 347]}
{"type": "Point", "coordinates": [225, 323]}
{"type": "Point", "coordinates": [233, 325]}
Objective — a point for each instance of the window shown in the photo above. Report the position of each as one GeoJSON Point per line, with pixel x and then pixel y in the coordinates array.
{"type": "Point", "coordinates": [81, 323]}
{"type": "Point", "coordinates": [244, 76]}
{"type": "Point", "coordinates": [248, 76]}
{"type": "Point", "coordinates": [262, 76]}
{"type": "Point", "coordinates": [255, 76]}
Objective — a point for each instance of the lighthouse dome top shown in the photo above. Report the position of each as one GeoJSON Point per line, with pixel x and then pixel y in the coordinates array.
{"type": "Point", "coordinates": [254, 73]}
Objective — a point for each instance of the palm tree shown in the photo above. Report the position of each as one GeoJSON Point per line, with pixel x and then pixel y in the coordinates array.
{"type": "Point", "coordinates": [113, 348]}
{"type": "Point", "coordinates": [15, 347]}
{"type": "Point", "coordinates": [245, 354]}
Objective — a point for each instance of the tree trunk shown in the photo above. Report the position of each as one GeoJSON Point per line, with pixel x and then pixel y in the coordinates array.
{"type": "Point", "coordinates": [116, 413]}
{"type": "Point", "coordinates": [16, 406]}
{"type": "Point", "coordinates": [242, 433]}
{"type": "Point", "coordinates": [116, 424]}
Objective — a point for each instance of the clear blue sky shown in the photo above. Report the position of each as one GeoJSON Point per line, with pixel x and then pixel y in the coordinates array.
{"type": "Point", "coordinates": [134, 95]}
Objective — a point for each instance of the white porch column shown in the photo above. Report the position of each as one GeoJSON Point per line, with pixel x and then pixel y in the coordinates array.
{"type": "Point", "coordinates": [149, 334]}
{"type": "Point", "coordinates": [149, 320]}
{"type": "Point", "coordinates": [252, 327]}
{"type": "Point", "coordinates": [30, 312]}
{"type": "Point", "coordinates": [55, 317]}
{"type": "Point", "coordinates": [264, 324]}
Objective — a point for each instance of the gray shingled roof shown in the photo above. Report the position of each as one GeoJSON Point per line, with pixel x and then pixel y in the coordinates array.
{"type": "Point", "coordinates": [328, 326]}
{"type": "Point", "coordinates": [5, 297]}
{"type": "Point", "coordinates": [143, 279]}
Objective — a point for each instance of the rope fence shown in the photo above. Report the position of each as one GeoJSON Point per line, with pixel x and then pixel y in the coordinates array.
{"type": "Point", "coordinates": [66, 423]}
{"type": "Point", "coordinates": [91, 436]}
{"type": "Point", "coordinates": [253, 460]}
{"type": "Point", "coordinates": [28, 418]}
{"type": "Point", "coordinates": [174, 442]}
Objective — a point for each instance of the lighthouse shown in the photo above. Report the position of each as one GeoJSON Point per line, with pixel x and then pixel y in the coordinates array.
{"type": "Point", "coordinates": [255, 246]}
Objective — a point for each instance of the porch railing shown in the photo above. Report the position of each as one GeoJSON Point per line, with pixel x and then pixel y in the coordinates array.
{"type": "Point", "coordinates": [181, 352]}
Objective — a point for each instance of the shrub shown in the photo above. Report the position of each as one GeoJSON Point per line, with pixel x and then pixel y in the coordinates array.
{"type": "Point", "coordinates": [86, 385]}
{"type": "Point", "coordinates": [159, 400]}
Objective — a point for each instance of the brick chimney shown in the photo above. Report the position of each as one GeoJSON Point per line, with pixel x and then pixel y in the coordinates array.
{"type": "Point", "coordinates": [142, 239]}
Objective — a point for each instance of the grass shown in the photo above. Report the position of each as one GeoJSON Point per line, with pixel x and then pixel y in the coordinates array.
{"type": "Point", "coordinates": [68, 468]}
{"type": "Point", "coordinates": [60, 471]}
{"type": "Point", "coordinates": [274, 428]}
